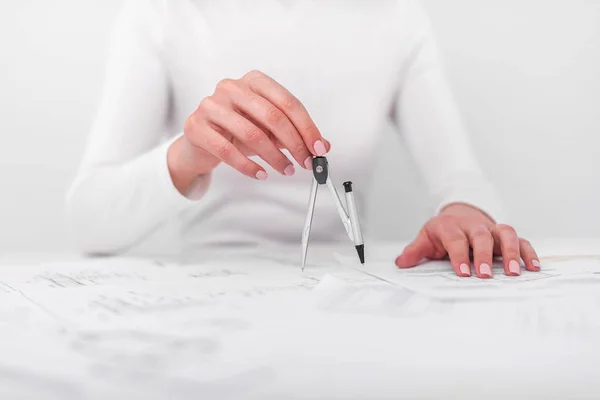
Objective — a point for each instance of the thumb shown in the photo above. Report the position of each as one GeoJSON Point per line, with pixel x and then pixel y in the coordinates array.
{"type": "Point", "coordinates": [416, 251]}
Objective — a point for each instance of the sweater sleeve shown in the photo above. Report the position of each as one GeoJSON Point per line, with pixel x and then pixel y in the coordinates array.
{"type": "Point", "coordinates": [429, 120]}
{"type": "Point", "coordinates": [123, 189]}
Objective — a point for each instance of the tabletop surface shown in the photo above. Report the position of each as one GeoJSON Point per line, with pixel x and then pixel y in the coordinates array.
{"type": "Point", "coordinates": [249, 324]}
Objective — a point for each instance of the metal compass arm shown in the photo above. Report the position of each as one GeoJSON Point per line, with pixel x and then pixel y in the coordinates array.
{"type": "Point", "coordinates": [351, 223]}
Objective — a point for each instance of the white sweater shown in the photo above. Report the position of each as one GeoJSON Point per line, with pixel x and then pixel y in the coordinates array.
{"type": "Point", "coordinates": [353, 64]}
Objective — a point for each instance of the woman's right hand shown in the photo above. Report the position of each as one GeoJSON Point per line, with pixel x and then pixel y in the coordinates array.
{"type": "Point", "coordinates": [253, 115]}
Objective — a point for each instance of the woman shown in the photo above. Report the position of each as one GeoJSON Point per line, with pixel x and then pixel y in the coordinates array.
{"type": "Point", "coordinates": [212, 111]}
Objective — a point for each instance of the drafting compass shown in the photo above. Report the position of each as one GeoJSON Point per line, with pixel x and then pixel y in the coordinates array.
{"type": "Point", "coordinates": [351, 222]}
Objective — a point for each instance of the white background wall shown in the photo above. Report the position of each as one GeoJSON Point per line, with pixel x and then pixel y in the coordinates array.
{"type": "Point", "coordinates": [526, 74]}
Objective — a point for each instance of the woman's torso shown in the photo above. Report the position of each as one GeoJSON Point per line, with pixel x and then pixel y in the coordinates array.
{"type": "Point", "coordinates": [343, 59]}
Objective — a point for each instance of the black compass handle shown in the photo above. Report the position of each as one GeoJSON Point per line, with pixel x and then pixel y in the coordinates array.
{"type": "Point", "coordinates": [320, 169]}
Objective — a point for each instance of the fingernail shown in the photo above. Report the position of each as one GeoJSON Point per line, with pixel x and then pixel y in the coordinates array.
{"type": "Point", "coordinates": [289, 170]}
{"type": "Point", "coordinates": [319, 148]}
{"type": "Point", "coordinates": [536, 264]}
{"type": "Point", "coordinates": [465, 270]}
{"type": "Point", "coordinates": [308, 163]}
{"type": "Point", "coordinates": [261, 175]}
{"type": "Point", "coordinates": [514, 267]}
{"type": "Point", "coordinates": [485, 270]}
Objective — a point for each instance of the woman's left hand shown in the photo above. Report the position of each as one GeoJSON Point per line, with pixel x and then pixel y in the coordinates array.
{"type": "Point", "coordinates": [456, 230]}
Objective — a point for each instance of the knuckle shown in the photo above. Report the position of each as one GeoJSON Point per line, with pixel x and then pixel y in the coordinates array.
{"type": "Point", "coordinates": [311, 130]}
{"type": "Point", "coordinates": [248, 168]}
{"type": "Point", "coordinates": [274, 116]}
{"type": "Point", "coordinates": [225, 84]}
{"type": "Point", "coordinates": [206, 104]}
{"type": "Point", "coordinates": [506, 229]}
{"type": "Point", "coordinates": [224, 151]}
{"type": "Point", "coordinates": [254, 74]}
{"type": "Point", "coordinates": [483, 239]}
{"type": "Point", "coordinates": [510, 249]}
{"type": "Point", "coordinates": [459, 242]}
{"type": "Point", "coordinates": [282, 162]}
{"type": "Point", "coordinates": [290, 102]}
{"type": "Point", "coordinates": [447, 220]}
{"type": "Point", "coordinates": [190, 125]}
{"type": "Point", "coordinates": [252, 134]}
{"type": "Point", "coordinates": [525, 242]}
{"type": "Point", "coordinates": [484, 254]}
{"type": "Point", "coordinates": [482, 235]}
{"type": "Point", "coordinates": [298, 148]}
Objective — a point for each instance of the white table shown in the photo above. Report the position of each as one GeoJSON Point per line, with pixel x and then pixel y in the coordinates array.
{"type": "Point", "coordinates": [253, 326]}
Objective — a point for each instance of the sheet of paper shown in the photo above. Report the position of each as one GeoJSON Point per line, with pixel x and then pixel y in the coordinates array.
{"type": "Point", "coordinates": [437, 279]}
{"type": "Point", "coordinates": [256, 326]}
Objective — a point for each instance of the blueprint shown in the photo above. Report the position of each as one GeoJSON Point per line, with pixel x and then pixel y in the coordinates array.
{"type": "Point", "coordinates": [255, 326]}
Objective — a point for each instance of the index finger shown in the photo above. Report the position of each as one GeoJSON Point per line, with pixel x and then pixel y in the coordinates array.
{"type": "Point", "coordinates": [281, 98]}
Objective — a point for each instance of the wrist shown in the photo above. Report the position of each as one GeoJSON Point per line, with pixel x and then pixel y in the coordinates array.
{"type": "Point", "coordinates": [464, 209]}
{"type": "Point", "coordinates": [186, 164]}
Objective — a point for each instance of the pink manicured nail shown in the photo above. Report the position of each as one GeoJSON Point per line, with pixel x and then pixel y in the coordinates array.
{"type": "Point", "coordinates": [289, 170]}
{"type": "Point", "coordinates": [308, 163]}
{"type": "Point", "coordinates": [514, 267]}
{"type": "Point", "coordinates": [465, 270]}
{"type": "Point", "coordinates": [261, 175]}
{"type": "Point", "coordinates": [485, 270]}
{"type": "Point", "coordinates": [319, 148]}
{"type": "Point", "coordinates": [536, 264]}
